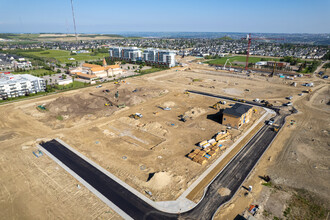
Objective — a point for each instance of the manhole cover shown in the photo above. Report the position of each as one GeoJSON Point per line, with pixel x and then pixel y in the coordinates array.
{"type": "Point", "coordinates": [143, 167]}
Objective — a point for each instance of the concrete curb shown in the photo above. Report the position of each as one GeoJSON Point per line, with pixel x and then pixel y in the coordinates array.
{"type": "Point", "coordinates": [87, 185]}
{"type": "Point", "coordinates": [251, 169]}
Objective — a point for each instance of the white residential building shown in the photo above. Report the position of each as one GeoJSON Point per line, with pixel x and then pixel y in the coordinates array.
{"type": "Point", "coordinates": [157, 56]}
{"type": "Point", "coordinates": [18, 85]}
{"type": "Point", "coordinates": [150, 55]}
{"type": "Point", "coordinates": [126, 53]}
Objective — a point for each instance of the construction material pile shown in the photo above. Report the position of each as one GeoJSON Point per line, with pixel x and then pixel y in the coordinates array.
{"type": "Point", "coordinates": [208, 149]}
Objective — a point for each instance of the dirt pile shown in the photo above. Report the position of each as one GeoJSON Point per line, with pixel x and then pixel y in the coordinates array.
{"type": "Point", "coordinates": [159, 180]}
{"type": "Point", "coordinates": [194, 112]}
{"type": "Point", "coordinates": [76, 104]}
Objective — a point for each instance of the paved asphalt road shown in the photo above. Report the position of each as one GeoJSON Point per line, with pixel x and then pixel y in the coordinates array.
{"type": "Point", "coordinates": [117, 194]}
{"type": "Point", "coordinates": [234, 174]}
{"type": "Point", "coordinates": [231, 177]}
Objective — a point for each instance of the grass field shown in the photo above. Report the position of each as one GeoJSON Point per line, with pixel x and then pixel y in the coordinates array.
{"type": "Point", "coordinates": [63, 56]}
{"type": "Point", "coordinates": [74, 85]}
{"type": "Point", "coordinates": [222, 61]}
{"type": "Point", "coordinates": [37, 72]}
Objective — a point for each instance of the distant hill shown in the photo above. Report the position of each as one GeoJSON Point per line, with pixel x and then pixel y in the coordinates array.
{"type": "Point", "coordinates": [225, 38]}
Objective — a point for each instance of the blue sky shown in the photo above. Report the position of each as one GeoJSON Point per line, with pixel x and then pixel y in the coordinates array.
{"type": "Point", "coordinates": [107, 16]}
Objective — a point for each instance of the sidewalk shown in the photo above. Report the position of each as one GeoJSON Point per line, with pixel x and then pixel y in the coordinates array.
{"type": "Point", "coordinates": [182, 204]}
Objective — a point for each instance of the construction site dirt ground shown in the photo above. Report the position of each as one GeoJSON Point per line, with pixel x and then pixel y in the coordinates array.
{"type": "Point", "coordinates": [153, 147]}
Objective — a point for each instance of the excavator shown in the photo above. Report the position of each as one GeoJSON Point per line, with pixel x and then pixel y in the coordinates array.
{"type": "Point", "coordinates": [108, 102]}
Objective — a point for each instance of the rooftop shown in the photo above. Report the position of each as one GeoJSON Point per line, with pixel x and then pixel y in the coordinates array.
{"type": "Point", "coordinates": [237, 110]}
{"type": "Point", "coordinates": [11, 78]}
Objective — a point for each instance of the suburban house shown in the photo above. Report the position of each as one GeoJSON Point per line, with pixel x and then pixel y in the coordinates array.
{"type": "Point", "coordinates": [237, 115]}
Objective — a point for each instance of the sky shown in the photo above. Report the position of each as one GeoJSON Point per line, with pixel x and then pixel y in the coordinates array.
{"type": "Point", "coordinates": [107, 16]}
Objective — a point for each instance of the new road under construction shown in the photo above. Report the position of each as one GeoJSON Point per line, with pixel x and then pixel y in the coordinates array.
{"type": "Point", "coordinates": [130, 204]}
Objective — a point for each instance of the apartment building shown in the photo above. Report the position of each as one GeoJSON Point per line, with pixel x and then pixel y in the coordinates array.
{"type": "Point", "coordinates": [126, 53]}
{"type": "Point", "coordinates": [150, 55]}
{"type": "Point", "coordinates": [18, 85]}
{"type": "Point", "coordinates": [156, 56]}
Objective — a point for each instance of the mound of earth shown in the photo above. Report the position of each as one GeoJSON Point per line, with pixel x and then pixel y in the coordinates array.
{"type": "Point", "coordinates": [195, 112]}
{"type": "Point", "coordinates": [78, 104]}
{"type": "Point", "coordinates": [159, 180]}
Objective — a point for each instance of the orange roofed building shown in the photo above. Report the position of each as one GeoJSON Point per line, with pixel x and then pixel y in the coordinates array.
{"type": "Point", "coordinates": [93, 71]}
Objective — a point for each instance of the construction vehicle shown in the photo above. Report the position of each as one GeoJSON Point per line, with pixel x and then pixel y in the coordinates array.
{"type": "Point", "coordinates": [41, 107]}
{"type": "Point", "coordinates": [242, 100]}
{"type": "Point", "coordinates": [235, 99]}
{"type": "Point", "coordinates": [276, 128]}
{"type": "Point", "coordinates": [224, 66]}
{"type": "Point", "coordinates": [108, 102]}
{"type": "Point", "coordinates": [216, 106]}
{"type": "Point", "coordinates": [267, 104]}
{"type": "Point", "coordinates": [136, 116]}
{"type": "Point", "coordinates": [186, 92]}
{"type": "Point", "coordinates": [308, 91]}
{"type": "Point", "coordinates": [183, 118]}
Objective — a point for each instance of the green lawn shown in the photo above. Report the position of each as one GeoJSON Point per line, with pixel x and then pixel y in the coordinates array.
{"type": "Point", "coordinates": [74, 85]}
{"type": "Point", "coordinates": [37, 72]}
{"type": "Point", "coordinates": [222, 61]}
{"type": "Point", "coordinates": [63, 55]}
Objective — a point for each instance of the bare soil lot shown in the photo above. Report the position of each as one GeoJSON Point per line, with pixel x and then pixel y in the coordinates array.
{"type": "Point", "coordinates": [147, 153]}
